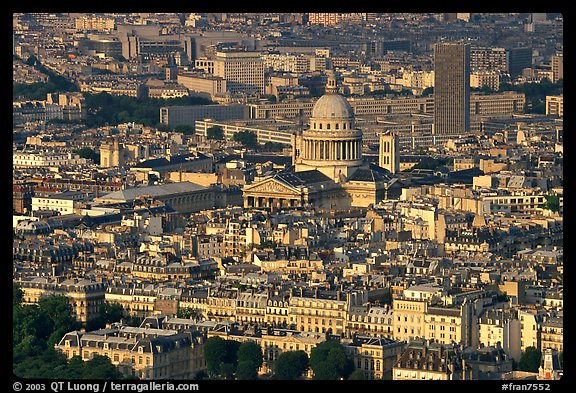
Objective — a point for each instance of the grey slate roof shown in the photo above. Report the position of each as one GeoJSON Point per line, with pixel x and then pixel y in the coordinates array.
{"type": "Point", "coordinates": [154, 191]}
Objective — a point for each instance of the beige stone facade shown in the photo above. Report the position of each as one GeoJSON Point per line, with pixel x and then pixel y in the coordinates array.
{"type": "Point", "coordinates": [146, 353]}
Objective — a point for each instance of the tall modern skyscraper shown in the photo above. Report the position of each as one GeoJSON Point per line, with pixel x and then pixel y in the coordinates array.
{"type": "Point", "coordinates": [451, 88]}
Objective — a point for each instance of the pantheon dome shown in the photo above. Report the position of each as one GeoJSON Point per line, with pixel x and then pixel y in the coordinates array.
{"type": "Point", "coordinates": [332, 106]}
{"type": "Point", "coordinates": [331, 144]}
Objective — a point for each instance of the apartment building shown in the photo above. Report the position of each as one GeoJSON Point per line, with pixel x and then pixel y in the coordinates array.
{"type": "Point", "coordinates": [373, 321]}
{"type": "Point", "coordinates": [423, 360]}
{"type": "Point", "coordinates": [243, 71]}
{"type": "Point", "coordinates": [374, 356]}
{"type": "Point", "coordinates": [321, 311]}
{"type": "Point", "coordinates": [417, 313]}
{"type": "Point", "coordinates": [142, 352]}
{"type": "Point", "coordinates": [555, 105]}
{"type": "Point", "coordinates": [552, 334]}
{"type": "Point", "coordinates": [530, 328]}
{"type": "Point", "coordinates": [45, 159]}
{"type": "Point", "coordinates": [500, 328]}
{"type": "Point", "coordinates": [84, 295]}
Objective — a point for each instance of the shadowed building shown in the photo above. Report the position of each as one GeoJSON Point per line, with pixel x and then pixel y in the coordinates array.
{"type": "Point", "coordinates": [451, 88]}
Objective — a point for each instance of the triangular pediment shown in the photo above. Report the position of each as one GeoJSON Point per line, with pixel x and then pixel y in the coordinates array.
{"type": "Point", "coordinates": [273, 186]}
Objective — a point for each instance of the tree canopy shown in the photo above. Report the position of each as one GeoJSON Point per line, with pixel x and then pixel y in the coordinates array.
{"type": "Point", "coordinates": [36, 328]}
{"type": "Point", "coordinates": [329, 361]}
{"type": "Point", "coordinates": [108, 313]}
{"type": "Point", "coordinates": [290, 365]}
{"type": "Point", "coordinates": [535, 93]}
{"type": "Point", "coordinates": [215, 133]}
{"type": "Point", "coordinates": [188, 313]}
{"type": "Point", "coordinates": [552, 202]}
{"type": "Point", "coordinates": [251, 352]}
{"type": "Point", "coordinates": [106, 108]}
{"type": "Point", "coordinates": [247, 138]}
{"type": "Point", "coordinates": [246, 370]}
{"type": "Point", "coordinates": [221, 357]}
{"type": "Point", "coordinates": [89, 153]}
{"type": "Point", "coordinates": [530, 360]}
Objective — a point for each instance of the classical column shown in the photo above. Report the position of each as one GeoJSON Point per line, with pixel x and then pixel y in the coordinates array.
{"type": "Point", "coordinates": [313, 150]}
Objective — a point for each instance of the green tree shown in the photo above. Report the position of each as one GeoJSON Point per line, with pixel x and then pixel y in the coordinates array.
{"type": "Point", "coordinates": [326, 371]}
{"type": "Point", "coordinates": [246, 370]}
{"type": "Point", "coordinates": [108, 313]}
{"type": "Point", "coordinates": [267, 244]}
{"type": "Point", "coordinates": [214, 352]}
{"type": "Point", "coordinates": [357, 375]}
{"type": "Point", "coordinates": [273, 146]}
{"type": "Point", "coordinates": [17, 295]}
{"type": "Point", "coordinates": [36, 328]}
{"type": "Point", "coordinates": [250, 351]}
{"type": "Point", "coordinates": [189, 313]}
{"type": "Point", "coordinates": [329, 360]}
{"type": "Point", "coordinates": [428, 92]}
{"type": "Point", "coordinates": [249, 355]}
{"type": "Point", "coordinates": [184, 129]}
{"type": "Point", "coordinates": [221, 356]}
{"type": "Point", "coordinates": [132, 320]}
{"type": "Point", "coordinates": [247, 138]}
{"type": "Point", "coordinates": [60, 312]}
{"type": "Point", "coordinates": [552, 202]}
{"type": "Point", "coordinates": [530, 360]}
{"type": "Point", "coordinates": [290, 365]}
{"type": "Point", "coordinates": [227, 370]}
{"type": "Point", "coordinates": [215, 133]}
{"type": "Point", "coordinates": [31, 61]}
{"type": "Point", "coordinates": [100, 367]}
{"type": "Point", "coordinates": [88, 153]}
{"type": "Point", "coordinates": [231, 352]}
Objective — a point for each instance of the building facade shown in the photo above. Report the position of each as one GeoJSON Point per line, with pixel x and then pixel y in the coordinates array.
{"type": "Point", "coordinates": [451, 88]}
